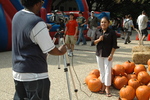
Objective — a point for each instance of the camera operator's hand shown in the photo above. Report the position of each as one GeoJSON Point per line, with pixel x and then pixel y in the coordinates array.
{"type": "Point", "coordinates": [58, 51]}
{"type": "Point", "coordinates": [49, 26]}
{"type": "Point", "coordinates": [63, 49]}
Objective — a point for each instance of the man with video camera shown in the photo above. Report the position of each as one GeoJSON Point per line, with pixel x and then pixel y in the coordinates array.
{"type": "Point", "coordinates": [31, 43]}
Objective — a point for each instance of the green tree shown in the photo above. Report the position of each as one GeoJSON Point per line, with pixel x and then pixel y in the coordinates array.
{"type": "Point", "coordinates": [119, 8]}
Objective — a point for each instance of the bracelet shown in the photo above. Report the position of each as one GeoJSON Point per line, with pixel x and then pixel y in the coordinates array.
{"type": "Point", "coordinates": [110, 55]}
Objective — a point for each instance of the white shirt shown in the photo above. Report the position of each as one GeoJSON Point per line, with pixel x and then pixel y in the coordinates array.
{"type": "Point", "coordinates": [142, 21]}
{"type": "Point", "coordinates": [130, 24]}
{"type": "Point", "coordinates": [125, 20]}
{"type": "Point", "coordinates": [39, 35]}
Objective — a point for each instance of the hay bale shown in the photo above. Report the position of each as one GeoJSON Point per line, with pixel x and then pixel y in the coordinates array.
{"type": "Point", "coordinates": [141, 48]}
{"type": "Point", "coordinates": [140, 57]}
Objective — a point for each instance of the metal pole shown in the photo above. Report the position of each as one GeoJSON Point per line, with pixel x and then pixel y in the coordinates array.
{"type": "Point", "coordinates": [67, 77]}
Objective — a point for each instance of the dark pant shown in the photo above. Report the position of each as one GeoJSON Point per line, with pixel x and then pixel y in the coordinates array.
{"type": "Point", "coordinates": [32, 90]}
{"type": "Point", "coordinates": [81, 36]}
{"type": "Point", "coordinates": [127, 37]}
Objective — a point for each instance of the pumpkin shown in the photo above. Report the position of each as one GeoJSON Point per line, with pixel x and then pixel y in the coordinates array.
{"type": "Point", "coordinates": [95, 72]}
{"type": "Point", "coordinates": [148, 84]}
{"type": "Point", "coordinates": [139, 68]}
{"type": "Point", "coordinates": [143, 77]}
{"type": "Point", "coordinates": [94, 85]}
{"type": "Point", "coordinates": [148, 62]}
{"type": "Point", "coordinates": [118, 70]}
{"type": "Point", "coordinates": [143, 92]}
{"type": "Point", "coordinates": [120, 81]}
{"type": "Point", "coordinates": [112, 76]}
{"type": "Point", "coordinates": [129, 67]}
{"type": "Point", "coordinates": [130, 76]}
{"type": "Point", "coordinates": [148, 67]}
{"type": "Point", "coordinates": [91, 76]}
{"type": "Point", "coordinates": [122, 98]}
{"type": "Point", "coordinates": [127, 92]}
{"type": "Point", "coordinates": [134, 83]}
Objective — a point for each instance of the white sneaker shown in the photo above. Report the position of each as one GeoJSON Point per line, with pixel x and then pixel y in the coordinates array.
{"type": "Point", "coordinates": [68, 51]}
{"type": "Point", "coordinates": [70, 54]}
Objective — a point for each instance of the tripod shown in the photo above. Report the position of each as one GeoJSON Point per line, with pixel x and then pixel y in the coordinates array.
{"type": "Point", "coordinates": [66, 63]}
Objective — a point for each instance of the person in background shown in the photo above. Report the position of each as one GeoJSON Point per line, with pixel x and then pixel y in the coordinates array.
{"type": "Point", "coordinates": [60, 31]}
{"type": "Point", "coordinates": [124, 30]}
{"type": "Point", "coordinates": [114, 24]}
{"type": "Point", "coordinates": [129, 29]}
{"type": "Point", "coordinates": [142, 21]}
{"type": "Point", "coordinates": [31, 43]}
{"type": "Point", "coordinates": [110, 25]}
{"type": "Point", "coordinates": [92, 24]}
{"type": "Point", "coordinates": [62, 25]}
{"type": "Point", "coordinates": [118, 25]}
{"type": "Point", "coordinates": [105, 40]}
{"type": "Point", "coordinates": [81, 22]}
{"type": "Point", "coordinates": [71, 34]}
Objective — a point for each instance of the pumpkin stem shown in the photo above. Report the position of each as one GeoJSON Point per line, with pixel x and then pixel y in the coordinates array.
{"type": "Point", "coordinates": [120, 75]}
{"type": "Point", "coordinates": [124, 86]}
{"type": "Point", "coordinates": [119, 98]}
{"type": "Point", "coordinates": [135, 79]}
{"type": "Point", "coordinates": [94, 79]}
{"type": "Point", "coordinates": [141, 84]}
{"type": "Point", "coordinates": [133, 73]}
{"type": "Point", "coordinates": [129, 61]}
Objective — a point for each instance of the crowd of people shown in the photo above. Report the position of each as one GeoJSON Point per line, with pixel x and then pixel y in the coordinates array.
{"type": "Point", "coordinates": [31, 44]}
{"type": "Point", "coordinates": [125, 25]}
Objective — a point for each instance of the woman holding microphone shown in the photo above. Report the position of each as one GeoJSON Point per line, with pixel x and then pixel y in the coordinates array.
{"type": "Point", "coordinates": [105, 40]}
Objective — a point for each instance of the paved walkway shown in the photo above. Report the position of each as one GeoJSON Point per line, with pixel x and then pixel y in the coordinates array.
{"type": "Point", "coordinates": [83, 61]}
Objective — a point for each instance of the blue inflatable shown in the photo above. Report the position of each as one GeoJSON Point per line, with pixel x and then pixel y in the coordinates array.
{"type": "Point", "coordinates": [17, 4]}
{"type": "Point", "coordinates": [3, 30]}
{"type": "Point", "coordinates": [80, 5]}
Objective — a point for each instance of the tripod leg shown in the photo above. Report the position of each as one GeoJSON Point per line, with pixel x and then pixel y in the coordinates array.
{"type": "Point", "coordinates": [59, 57]}
{"type": "Point", "coordinates": [75, 90]}
{"type": "Point", "coordinates": [68, 64]}
{"type": "Point", "coordinates": [59, 61]}
{"type": "Point", "coordinates": [67, 77]}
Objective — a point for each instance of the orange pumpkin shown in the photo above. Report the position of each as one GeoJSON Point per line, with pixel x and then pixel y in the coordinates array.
{"type": "Point", "coordinates": [129, 67]}
{"type": "Point", "coordinates": [148, 62]}
{"type": "Point", "coordinates": [127, 92]}
{"type": "Point", "coordinates": [139, 68]}
{"type": "Point", "coordinates": [123, 99]}
{"type": "Point", "coordinates": [112, 76]}
{"type": "Point", "coordinates": [130, 76]}
{"type": "Point", "coordinates": [148, 84]}
{"type": "Point", "coordinates": [94, 85]}
{"type": "Point", "coordinates": [143, 92]}
{"type": "Point", "coordinates": [134, 83]}
{"type": "Point", "coordinates": [95, 72]}
{"type": "Point", "coordinates": [91, 76]}
{"type": "Point", "coordinates": [143, 77]}
{"type": "Point", "coordinates": [148, 67]}
{"type": "Point", "coordinates": [118, 70]}
{"type": "Point", "coordinates": [120, 81]}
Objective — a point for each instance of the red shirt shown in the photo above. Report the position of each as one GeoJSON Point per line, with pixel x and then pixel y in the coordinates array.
{"type": "Point", "coordinates": [71, 27]}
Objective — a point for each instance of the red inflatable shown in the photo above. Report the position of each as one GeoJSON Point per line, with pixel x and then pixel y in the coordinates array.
{"type": "Point", "coordinates": [9, 11]}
